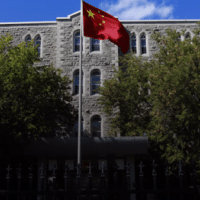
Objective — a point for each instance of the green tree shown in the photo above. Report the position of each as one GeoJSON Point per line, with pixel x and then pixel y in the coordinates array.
{"type": "Point", "coordinates": [34, 101]}
{"type": "Point", "coordinates": [175, 89]}
{"type": "Point", "coordinates": [124, 97]}
{"type": "Point", "coordinates": [170, 114]}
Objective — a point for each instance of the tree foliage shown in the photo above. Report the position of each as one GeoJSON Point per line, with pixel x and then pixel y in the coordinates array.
{"type": "Point", "coordinates": [169, 114]}
{"type": "Point", "coordinates": [121, 98]}
{"type": "Point", "coordinates": [34, 100]}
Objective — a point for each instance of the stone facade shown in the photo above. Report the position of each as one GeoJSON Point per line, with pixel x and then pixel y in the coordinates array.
{"type": "Point", "coordinates": [57, 47]}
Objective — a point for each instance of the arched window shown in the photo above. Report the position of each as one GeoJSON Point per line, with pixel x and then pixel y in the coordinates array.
{"type": "Point", "coordinates": [133, 43]}
{"type": "Point", "coordinates": [95, 79]}
{"type": "Point", "coordinates": [143, 44]}
{"type": "Point", "coordinates": [38, 41]}
{"type": "Point", "coordinates": [76, 82]}
{"type": "Point", "coordinates": [77, 42]}
{"type": "Point", "coordinates": [75, 128]}
{"type": "Point", "coordinates": [96, 126]}
{"type": "Point", "coordinates": [27, 39]}
{"type": "Point", "coordinates": [95, 44]}
{"type": "Point", "coordinates": [187, 36]}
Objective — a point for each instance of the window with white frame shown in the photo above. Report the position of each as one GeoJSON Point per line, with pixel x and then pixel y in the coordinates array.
{"type": "Point", "coordinates": [95, 81]}
{"type": "Point", "coordinates": [76, 82]}
{"type": "Point", "coordinates": [77, 42]}
{"type": "Point", "coordinates": [38, 41]}
{"type": "Point", "coordinates": [133, 44]}
{"type": "Point", "coordinates": [143, 43]}
{"type": "Point", "coordinates": [95, 44]}
{"type": "Point", "coordinates": [96, 126]}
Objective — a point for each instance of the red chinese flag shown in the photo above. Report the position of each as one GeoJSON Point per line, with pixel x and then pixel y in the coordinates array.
{"type": "Point", "coordinates": [100, 25]}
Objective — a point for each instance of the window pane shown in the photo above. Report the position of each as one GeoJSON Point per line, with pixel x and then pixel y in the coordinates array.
{"type": "Point", "coordinates": [77, 34]}
{"type": "Point", "coordinates": [94, 87]}
{"type": "Point", "coordinates": [143, 50]}
{"type": "Point", "coordinates": [28, 39]}
{"type": "Point", "coordinates": [133, 36]}
{"type": "Point", "coordinates": [95, 41]}
{"type": "Point", "coordinates": [133, 45]}
{"type": "Point", "coordinates": [95, 45]}
{"type": "Point", "coordinates": [95, 79]}
{"type": "Point", "coordinates": [38, 41]}
{"type": "Point", "coordinates": [96, 127]}
{"type": "Point", "coordinates": [143, 44]}
{"type": "Point", "coordinates": [76, 83]}
{"type": "Point", "coordinates": [77, 42]}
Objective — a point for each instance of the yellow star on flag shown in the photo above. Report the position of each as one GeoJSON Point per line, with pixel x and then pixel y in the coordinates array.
{"type": "Point", "coordinates": [90, 14]}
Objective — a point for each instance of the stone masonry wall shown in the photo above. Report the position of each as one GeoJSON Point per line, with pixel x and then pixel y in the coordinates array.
{"type": "Point", "coordinates": [57, 48]}
{"type": "Point", "coordinates": [69, 62]}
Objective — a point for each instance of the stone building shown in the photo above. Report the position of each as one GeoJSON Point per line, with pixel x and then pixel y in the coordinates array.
{"type": "Point", "coordinates": [59, 43]}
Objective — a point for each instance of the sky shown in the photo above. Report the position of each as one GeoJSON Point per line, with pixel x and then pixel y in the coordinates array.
{"type": "Point", "coordinates": [49, 10]}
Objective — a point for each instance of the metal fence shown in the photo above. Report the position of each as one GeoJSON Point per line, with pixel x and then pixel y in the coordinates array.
{"type": "Point", "coordinates": [31, 193]}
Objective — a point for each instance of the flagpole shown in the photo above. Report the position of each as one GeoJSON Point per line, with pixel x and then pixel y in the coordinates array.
{"type": "Point", "coordinates": [80, 93]}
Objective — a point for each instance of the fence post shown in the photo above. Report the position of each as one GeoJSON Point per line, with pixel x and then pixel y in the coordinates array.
{"type": "Point", "coordinates": [193, 179]}
{"type": "Point", "coordinates": [66, 178]}
{"type": "Point", "coordinates": [154, 174]}
{"type": "Point", "coordinates": [115, 178]}
{"type": "Point", "coordinates": [167, 179]}
{"type": "Point", "coordinates": [78, 181]}
{"type": "Point", "coordinates": [19, 181]}
{"type": "Point", "coordinates": [8, 180]}
{"type": "Point", "coordinates": [103, 181]}
{"type": "Point", "coordinates": [128, 179]}
{"type": "Point", "coordinates": [141, 178]}
{"type": "Point", "coordinates": [90, 179]}
{"type": "Point", "coordinates": [54, 180]}
{"type": "Point", "coordinates": [131, 159]}
{"type": "Point", "coordinates": [180, 177]}
{"type": "Point", "coordinates": [41, 186]}
{"type": "Point", "coordinates": [30, 177]}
